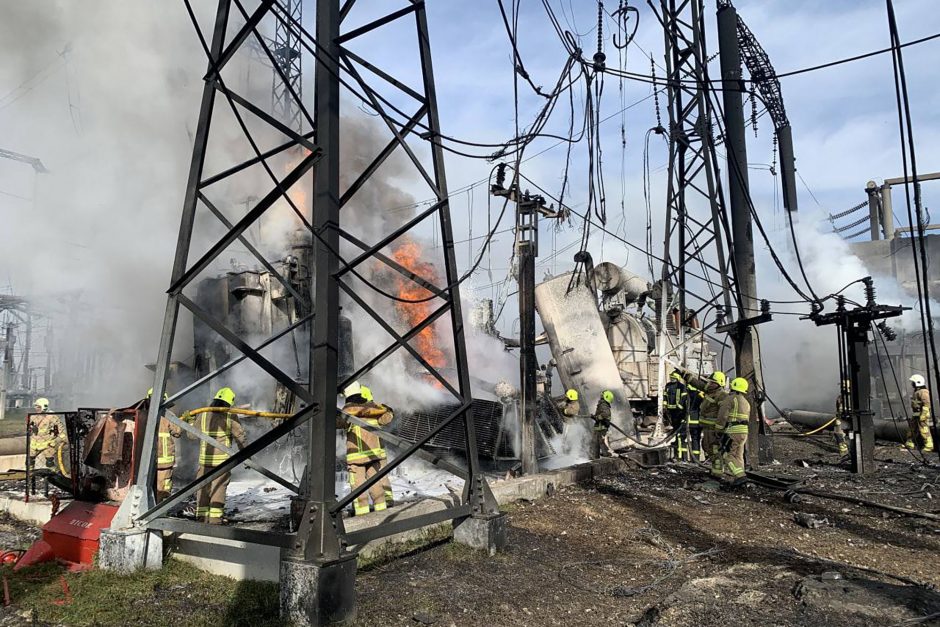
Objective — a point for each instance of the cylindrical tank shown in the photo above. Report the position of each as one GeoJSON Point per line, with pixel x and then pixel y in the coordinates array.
{"type": "Point", "coordinates": [629, 342]}
{"type": "Point", "coordinates": [612, 279]}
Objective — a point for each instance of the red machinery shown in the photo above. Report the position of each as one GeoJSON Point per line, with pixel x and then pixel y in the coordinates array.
{"type": "Point", "coordinates": [104, 447]}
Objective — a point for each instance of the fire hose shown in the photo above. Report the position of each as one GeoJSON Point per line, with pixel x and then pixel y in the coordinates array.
{"type": "Point", "coordinates": [818, 429]}
{"type": "Point", "coordinates": [234, 410]}
{"type": "Point", "coordinates": [664, 443]}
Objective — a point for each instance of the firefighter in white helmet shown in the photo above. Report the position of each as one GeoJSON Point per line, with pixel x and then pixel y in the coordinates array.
{"type": "Point", "coordinates": [920, 414]}
{"type": "Point", "coordinates": [365, 455]}
{"type": "Point", "coordinates": [47, 434]}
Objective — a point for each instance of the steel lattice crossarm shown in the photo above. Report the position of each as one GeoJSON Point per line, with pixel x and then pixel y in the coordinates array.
{"type": "Point", "coordinates": [762, 74]}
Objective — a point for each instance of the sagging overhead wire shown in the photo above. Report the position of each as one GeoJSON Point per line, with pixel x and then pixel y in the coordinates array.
{"type": "Point", "coordinates": [919, 244]}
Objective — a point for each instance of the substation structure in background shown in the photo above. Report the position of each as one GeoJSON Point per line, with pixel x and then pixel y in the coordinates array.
{"type": "Point", "coordinates": [853, 327]}
{"type": "Point", "coordinates": [318, 567]}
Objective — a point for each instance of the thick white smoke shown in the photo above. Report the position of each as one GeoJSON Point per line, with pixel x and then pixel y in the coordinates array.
{"type": "Point", "coordinates": [800, 360]}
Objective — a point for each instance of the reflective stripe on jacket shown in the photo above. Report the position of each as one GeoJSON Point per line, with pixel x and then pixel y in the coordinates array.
{"type": "Point", "coordinates": [674, 395]}
{"type": "Point", "coordinates": [733, 415]}
{"type": "Point", "coordinates": [222, 427]}
{"type": "Point", "coordinates": [920, 403]}
{"type": "Point", "coordinates": [363, 446]}
{"type": "Point", "coordinates": [166, 446]}
{"type": "Point", "coordinates": [711, 399]}
{"type": "Point", "coordinates": [49, 431]}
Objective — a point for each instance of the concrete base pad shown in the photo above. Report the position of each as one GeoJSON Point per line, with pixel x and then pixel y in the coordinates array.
{"type": "Point", "coordinates": [486, 533]}
{"type": "Point", "coordinates": [126, 551]}
{"type": "Point", "coordinates": [318, 594]}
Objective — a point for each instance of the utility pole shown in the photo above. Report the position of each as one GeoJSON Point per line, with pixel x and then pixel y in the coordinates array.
{"type": "Point", "coordinates": [853, 326]}
{"type": "Point", "coordinates": [528, 208]}
{"type": "Point", "coordinates": [747, 353]}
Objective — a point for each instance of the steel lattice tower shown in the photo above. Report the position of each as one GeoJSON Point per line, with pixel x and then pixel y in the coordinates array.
{"type": "Point", "coordinates": [318, 561]}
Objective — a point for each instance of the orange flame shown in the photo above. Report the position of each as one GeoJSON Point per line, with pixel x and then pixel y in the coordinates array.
{"type": "Point", "coordinates": [427, 342]}
{"type": "Point", "coordinates": [298, 191]}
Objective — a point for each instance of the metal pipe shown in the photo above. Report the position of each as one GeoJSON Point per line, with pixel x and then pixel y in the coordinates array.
{"type": "Point", "coordinates": [884, 428]}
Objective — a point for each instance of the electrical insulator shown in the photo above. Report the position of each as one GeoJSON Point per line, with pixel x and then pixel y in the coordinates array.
{"type": "Point", "coordinates": [869, 291]}
{"type": "Point", "coordinates": [500, 175]}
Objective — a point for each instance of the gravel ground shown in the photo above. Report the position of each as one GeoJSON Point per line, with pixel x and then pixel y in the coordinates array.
{"type": "Point", "coordinates": [661, 547]}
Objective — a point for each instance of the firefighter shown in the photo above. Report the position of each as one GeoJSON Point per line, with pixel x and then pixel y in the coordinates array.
{"type": "Point", "coordinates": [713, 391]}
{"type": "Point", "coordinates": [838, 429]}
{"type": "Point", "coordinates": [920, 414]}
{"type": "Point", "coordinates": [365, 456]}
{"type": "Point", "coordinates": [695, 428]}
{"type": "Point", "coordinates": [569, 408]}
{"type": "Point", "coordinates": [601, 417]}
{"type": "Point", "coordinates": [166, 450]}
{"type": "Point", "coordinates": [733, 415]}
{"type": "Point", "coordinates": [674, 407]}
{"type": "Point", "coordinates": [47, 434]}
{"type": "Point", "coordinates": [224, 428]}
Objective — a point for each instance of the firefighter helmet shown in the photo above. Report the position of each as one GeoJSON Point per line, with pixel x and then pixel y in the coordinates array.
{"type": "Point", "coordinates": [365, 393]}
{"type": "Point", "coordinates": [571, 395]}
{"type": "Point", "coordinates": [352, 389]}
{"type": "Point", "coordinates": [226, 395]}
{"type": "Point", "coordinates": [719, 377]}
{"type": "Point", "coordinates": [608, 396]}
{"type": "Point", "coordinates": [41, 403]}
{"type": "Point", "coordinates": [918, 381]}
{"type": "Point", "coordinates": [739, 384]}
{"type": "Point", "coordinates": [677, 376]}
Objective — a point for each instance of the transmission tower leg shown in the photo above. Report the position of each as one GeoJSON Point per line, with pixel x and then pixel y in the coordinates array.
{"type": "Point", "coordinates": [747, 360]}
{"type": "Point", "coordinates": [318, 575]}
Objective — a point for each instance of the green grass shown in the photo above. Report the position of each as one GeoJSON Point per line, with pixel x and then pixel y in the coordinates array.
{"type": "Point", "coordinates": [176, 595]}
{"type": "Point", "coordinates": [13, 424]}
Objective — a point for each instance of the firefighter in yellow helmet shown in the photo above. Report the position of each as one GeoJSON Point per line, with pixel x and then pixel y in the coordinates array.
{"type": "Point", "coordinates": [714, 393]}
{"type": "Point", "coordinates": [365, 456]}
{"type": "Point", "coordinates": [569, 407]}
{"type": "Point", "coordinates": [47, 434]}
{"type": "Point", "coordinates": [225, 429]}
{"type": "Point", "coordinates": [920, 414]}
{"type": "Point", "coordinates": [167, 435]}
{"type": "Point", "coordinates": [733, 415]}
{"type": "Point", "coordinates": [602, 416]}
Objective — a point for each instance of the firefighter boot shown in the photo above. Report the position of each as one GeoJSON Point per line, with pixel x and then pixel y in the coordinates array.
{"type": "Point", "coordinates": [928, 439]}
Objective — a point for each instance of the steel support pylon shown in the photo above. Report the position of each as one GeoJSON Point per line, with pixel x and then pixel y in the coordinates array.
{"type": "Point", "coordinates": [318, 560]}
